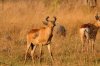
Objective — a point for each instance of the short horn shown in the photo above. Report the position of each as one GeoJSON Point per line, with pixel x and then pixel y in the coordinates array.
{"type": "Point", "coordinates": [55, 18]}
{"type": "Point", "coordinates": [47, 18]}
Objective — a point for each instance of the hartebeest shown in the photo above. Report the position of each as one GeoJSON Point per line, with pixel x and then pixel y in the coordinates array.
{"type": "Point", "coordinates": [89, 31]}
{"type": "Point", "coordinates": [60, 30]}
{"type": "Point", "coordinates": [40, 37]}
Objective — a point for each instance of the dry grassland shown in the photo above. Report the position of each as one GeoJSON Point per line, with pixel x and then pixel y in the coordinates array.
{"type": "Point", "coordinates": [17, 17]}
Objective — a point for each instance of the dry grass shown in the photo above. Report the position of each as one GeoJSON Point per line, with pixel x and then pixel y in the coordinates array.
{"type": "Point", "coordinates": [18, 17]}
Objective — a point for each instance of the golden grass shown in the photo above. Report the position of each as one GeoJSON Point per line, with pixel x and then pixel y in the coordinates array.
{"type": "Point", "coordinates": [18, 17]}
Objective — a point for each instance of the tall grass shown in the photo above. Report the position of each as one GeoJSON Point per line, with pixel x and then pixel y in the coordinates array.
{"type": "Point", "coordinates": [19, 16]}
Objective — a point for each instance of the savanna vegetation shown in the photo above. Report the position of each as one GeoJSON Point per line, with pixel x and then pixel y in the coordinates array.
{"type": "Point", "coordinates": [17, 17]}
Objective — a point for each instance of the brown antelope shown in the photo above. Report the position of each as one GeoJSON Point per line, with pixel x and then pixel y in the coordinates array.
{"type": "Point", "coordinates": [40, 37]}
{"type": "Point", "coordinates": [60, 30]}
{"type": "Point", "coordinates": [89, 31]}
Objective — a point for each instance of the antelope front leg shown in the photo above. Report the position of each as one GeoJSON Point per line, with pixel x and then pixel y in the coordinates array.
{"type": "Point", "coordinates": [32, 53]}
{"type": "Point", "coordinates": [49, 49]}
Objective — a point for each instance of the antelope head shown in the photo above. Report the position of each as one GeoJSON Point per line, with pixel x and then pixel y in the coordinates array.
{"type": "Point", "coordinates": [97, 17]}
{"type": "Point", "coordinates": [50, 23]}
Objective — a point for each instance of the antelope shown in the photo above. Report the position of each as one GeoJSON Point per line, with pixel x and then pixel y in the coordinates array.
{"type": "Point", "coordinates": [89, 31]}
{"type": "Point", "coordinates": [61, 30]}
{"type": "Point", "coordinates": [40, 37]}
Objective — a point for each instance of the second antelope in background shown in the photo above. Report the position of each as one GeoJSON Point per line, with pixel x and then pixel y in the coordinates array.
{"type": "Point", "coordinates": [60, 30]}
{"type": "Point", "coordinates": [89, 31]}
{"type": "Point", "coordinates": [40, 37]}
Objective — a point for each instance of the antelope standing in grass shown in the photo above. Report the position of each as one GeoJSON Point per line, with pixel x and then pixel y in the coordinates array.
{"type": "Point", "coordinates": [89, 31]}
{"type": "Point", "coordinates": [40, 37]}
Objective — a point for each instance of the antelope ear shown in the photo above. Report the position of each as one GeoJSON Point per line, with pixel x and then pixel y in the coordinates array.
{"type": "Point", "coordinates": [44, 22]}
